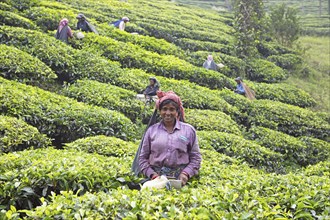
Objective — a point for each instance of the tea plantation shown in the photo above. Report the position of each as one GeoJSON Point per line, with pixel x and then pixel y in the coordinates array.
{"type": "Point", "coordinates": [70, 123]}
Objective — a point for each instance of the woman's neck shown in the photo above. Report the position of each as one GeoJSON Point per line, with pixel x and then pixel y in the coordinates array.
{"type": "Point", "coordinates": [169, 126]}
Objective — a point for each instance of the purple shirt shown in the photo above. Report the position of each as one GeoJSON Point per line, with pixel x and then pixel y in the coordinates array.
{"type": "Point", "coordinates": [161, 148]}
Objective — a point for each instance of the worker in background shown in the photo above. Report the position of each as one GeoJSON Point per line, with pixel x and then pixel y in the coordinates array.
{"type": "Point", "coordinates": [210, 64]}
{"type": "Point", "coordinates": [152, 88]}
{"type": "Point", "coordinates": [84, 25]}
{"type": "Point", "coordinates": [64, 32]}
{"type": "Point", "coordinates": [121, 24]}
{"type": "Point", "coordinates": [243, 89]}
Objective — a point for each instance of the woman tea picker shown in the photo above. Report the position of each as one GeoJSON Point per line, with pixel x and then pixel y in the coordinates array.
{"type": "Point", "coordinates": [170, 147]}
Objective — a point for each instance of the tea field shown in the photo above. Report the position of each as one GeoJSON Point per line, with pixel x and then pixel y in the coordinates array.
{"type": "Point", "coordinates": [70, 123]}
{"type": "Point", "coordinates": [314, 15]}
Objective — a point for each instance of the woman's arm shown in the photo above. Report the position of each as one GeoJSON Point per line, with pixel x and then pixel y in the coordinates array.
{"type": "Point", "coordinates": [70, 34]}
{"type": "Point", "coordinates": [144, 156]}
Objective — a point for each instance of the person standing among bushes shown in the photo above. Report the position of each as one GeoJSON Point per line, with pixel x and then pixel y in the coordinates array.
{"type": "Point", "coordinates": [121, 24]}
{"type": "Point", "coordinates": [170, 147]}
{"type": "Point", "coordinates": [210, 64]}
{"type": "Point", "coordinates": [64, 32]}
{"type": "Point", "coordinates": [84, 25]}
{"type": "Point", "coordinates": [243, 89]}
{"type": "Point", "coordinates": [152, 88]}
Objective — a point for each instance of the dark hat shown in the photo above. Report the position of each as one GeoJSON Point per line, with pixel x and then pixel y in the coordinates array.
{"type": "Point", "coordinates": [79, 16]}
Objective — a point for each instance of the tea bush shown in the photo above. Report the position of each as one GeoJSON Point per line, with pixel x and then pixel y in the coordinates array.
{"type": "Point", "coordinates": [16, 135]}
{"type": "Point", "coordinates": [26, 176]}
{"type": "Point", "coordinates": [48, 18]}
{"type": "Point", "coordinates": [69, 64]}
{"type": "Point", "coordinates": [237, 147]}
{"type": "Point", "coordinates": [292, 148]}
{"type": "Point", "coordinates": [196, 45]}
{"type": "Point", "coordinates": [22, 5]}
{"type": "Point", "coordinates": [61, 118]}
{"type": "Point", "coordinates": [242, 192]}
{"type": "Point", "coordinates": [264, 71]}
{"type": "Point", "coordinates": [319, 169]}
{"type": "Point", "coordinates": [6, 7]}
{"type": "Point", "coordinates": [107, 96]}
{"type": "Point", "coordinates": [52, 52]}
{"type": "Point", "coordinates": [290, 62]}
{"type": "Point", "coordinates": [21, 66]}
{"type": "Point", "coordinates": [283, 93]}
{"type": "Point", "coordinates": [318, 146]}
{"type": "Point", "coordinates": [146, 42]}
{"type": "Point", "coordinates": [238, 101]}
{"type": "Point", "coordinates": [103, 145]}
{"type": "Point", "coordinates": [271, 48]}
{"type": "Point", "coordinates": [12, 19]}
{"type": "Point", "coordinates": [208, 120]}
{"type": "Point", "coordinates": [289, 119]}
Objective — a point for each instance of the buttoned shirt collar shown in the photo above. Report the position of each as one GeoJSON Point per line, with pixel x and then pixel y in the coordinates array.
{"type": "Point", "coordinates": [177, 125]}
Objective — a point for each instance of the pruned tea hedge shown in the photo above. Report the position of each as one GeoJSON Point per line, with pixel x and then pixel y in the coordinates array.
{"type": "Point", "coordinates": [18, 65]}
{"type": "Point", "coordinates": [16, 135]}
{"type": "Point", "coordinates": [61, 118]}
{"type": "Point", "coordinates": [292, 148]}
{"type": "Point", "coordinates": [264, 71]}
{"type": "Point", "coordinates": [12, 19]}
{"type": "Point", "coordinates": [103, 145]}
{"type": "Point", "coordinates": [107, 96]}
{"type": "Point", "coordinates": [42, 172]}
{"type": "Point", "coordinates": [283, 93]}
{"type": "Point", "coordinates": [208, 120]}
{"type": "Point", "coordinates": [289, 119]}
{"type": "Point", "coordinates": [237, 147]}
{"type": "Point", "coordinates": [69, 64]}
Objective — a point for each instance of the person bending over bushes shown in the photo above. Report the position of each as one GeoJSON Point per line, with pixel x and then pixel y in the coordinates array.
{"type": "Point", "coordinates": [121, 23]}
{"type": "Point", "coordinates": [243, 89]}
{"type": "Point", "coordinates": [84, 25]}
{"type": "Point", "coordinates": [169, 147]}
{"type": "Point", "coordinates": [63, 31]}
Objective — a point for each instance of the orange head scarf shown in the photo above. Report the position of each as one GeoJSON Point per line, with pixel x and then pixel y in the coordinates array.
{"type": "Point", "coordinates": [170, 95]}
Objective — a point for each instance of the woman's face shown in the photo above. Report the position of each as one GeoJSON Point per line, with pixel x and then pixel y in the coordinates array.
{"type": "Point", "coordinates": [152, 82]}
{"type": "Point", "coordinates": [169, 113]}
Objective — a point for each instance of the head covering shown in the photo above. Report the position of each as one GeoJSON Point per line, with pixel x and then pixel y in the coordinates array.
{"type": "Point", "coordinates": [155, 80]}
{"type": "Point", "coordinates": [210, 57]}
{"type": "Point", "coordinates": [64, 22]}
{"type": "Point", "coordinates": [81, 16]}
{"type": "Point", "coordinates": [238, 79]}
{"type": "Point", "coordinates": [125, 19]}
{"type": "Point", "coordinates": [170, 95]}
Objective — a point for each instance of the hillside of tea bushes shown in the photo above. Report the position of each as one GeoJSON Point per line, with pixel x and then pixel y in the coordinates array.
{"type": "Point", "coordinates": [314, 14]}
{"type": "Point", "coordinates": [70, 123]}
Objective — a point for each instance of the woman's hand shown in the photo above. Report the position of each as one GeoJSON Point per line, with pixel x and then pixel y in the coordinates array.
{"type": "Point", "coordinates": [184, 178]}
{"type": "Point", "coordinates": [154, 176]}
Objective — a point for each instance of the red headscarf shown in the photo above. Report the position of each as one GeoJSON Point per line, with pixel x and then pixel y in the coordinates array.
{"type": "Point", "coordinates": [172, 96]}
